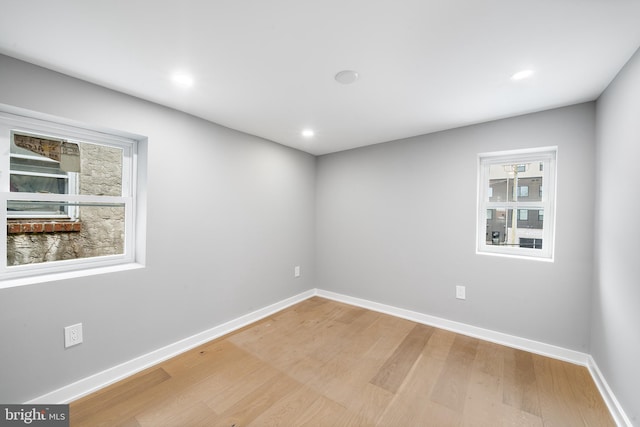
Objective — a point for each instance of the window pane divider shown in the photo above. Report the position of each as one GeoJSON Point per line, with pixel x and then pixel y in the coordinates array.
{"type": "Point", "coordinates": [516, 205]}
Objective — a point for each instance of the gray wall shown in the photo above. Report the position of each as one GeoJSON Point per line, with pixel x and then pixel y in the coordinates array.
{"type": "Point", "coordinates": [230, 215]}
{"type": "Point", "coordinates": [615, 338]}
{"type": "Point", "coordinates": [397, 225]}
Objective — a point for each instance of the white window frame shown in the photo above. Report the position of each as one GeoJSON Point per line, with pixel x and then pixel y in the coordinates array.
{"type": "Point", "coordinates": [34, 124]}
{"type": "Point", "coordinates": [544, 155]}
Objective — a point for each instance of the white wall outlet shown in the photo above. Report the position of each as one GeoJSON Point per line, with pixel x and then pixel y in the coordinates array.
{"type": "Point", "coordinates": [72, 335]}
{"type": "Point", "coordinates": [296, 271]}
{"type": "Point", "coordinates": [461, 292]}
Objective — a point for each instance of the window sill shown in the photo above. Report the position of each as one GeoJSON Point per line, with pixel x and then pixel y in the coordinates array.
{"type": "Point", "coordinates": [516, 256]}
{"type": "Point", "coordinates": [38, 226]}
{"type": "Point", "coordinates": [55, 276]}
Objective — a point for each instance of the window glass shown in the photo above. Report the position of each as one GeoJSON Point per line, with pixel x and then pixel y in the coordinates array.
{"type": "Point", "coordinates": [33, 172]}
{"type": "Point", "coordinates": [100, 232]}
{"type": "Point", "coordinates": [38, 184]}
{"type": "Point", "coordinates": [503, 180]}
{"type": "Point", "coordinates": [101, 172]}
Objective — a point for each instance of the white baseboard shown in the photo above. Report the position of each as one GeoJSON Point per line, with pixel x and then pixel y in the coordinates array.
{"type": "Point", "coordinates": [549, 350]}
{"type": "Point", "coordinates": [616, 410]}
{"type": "Point", "coordinates": [109, 376]}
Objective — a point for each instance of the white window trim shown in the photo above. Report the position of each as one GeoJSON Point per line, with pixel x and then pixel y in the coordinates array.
{"type": "Point", "coordinates": [133, 255]}
{"type": "Point", "coordinates": [548, 203]}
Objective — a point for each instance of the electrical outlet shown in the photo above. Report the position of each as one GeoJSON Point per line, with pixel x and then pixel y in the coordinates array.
{"type": "Point", "coordinates": [296, 271]}
{"type": "Point", "coordinates": [73, 335]}
{"type": "Point", "coordinates": [461, 292]}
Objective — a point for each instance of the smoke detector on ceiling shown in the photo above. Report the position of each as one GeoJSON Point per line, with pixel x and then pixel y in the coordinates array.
{"type": "Point", "coordinates": [346, 77]}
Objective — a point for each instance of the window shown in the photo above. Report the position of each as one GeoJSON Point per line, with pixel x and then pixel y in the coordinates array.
{"type": "Point", "coordinates": [523, 215]}
{"type": "Point", "coordinates": [530, 243]}
{"type": "Point", "coordinates": [523, 191]}
{"type": "Point", "coordinates": [69, 198]}
{"type": "Point", "coordinates": [505, 179]}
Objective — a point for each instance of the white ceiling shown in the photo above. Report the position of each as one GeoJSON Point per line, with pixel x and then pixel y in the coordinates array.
{"type": "Point", "coordinates": [266, 67]}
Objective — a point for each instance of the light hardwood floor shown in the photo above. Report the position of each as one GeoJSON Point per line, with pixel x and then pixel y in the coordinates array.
{"type": "Point", "coordinates": [323, 363]}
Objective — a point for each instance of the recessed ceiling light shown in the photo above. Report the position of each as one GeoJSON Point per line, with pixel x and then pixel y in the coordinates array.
{"type": "Point", "coordinates": [182, 79]}
{"type": "Point", "coordinates": [521, 75]}
{"type": "Point", "coordinates": [308, 133]}
{"type": "Point", "coordinates": [346, 77]}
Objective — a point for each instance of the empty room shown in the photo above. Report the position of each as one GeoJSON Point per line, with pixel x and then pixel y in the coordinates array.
{"type": "Point", "coordinates": [336, 213]}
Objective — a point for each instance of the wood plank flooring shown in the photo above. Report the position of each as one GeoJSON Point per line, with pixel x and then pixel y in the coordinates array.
{"type": "Point", "coordinates": [323, 363]}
